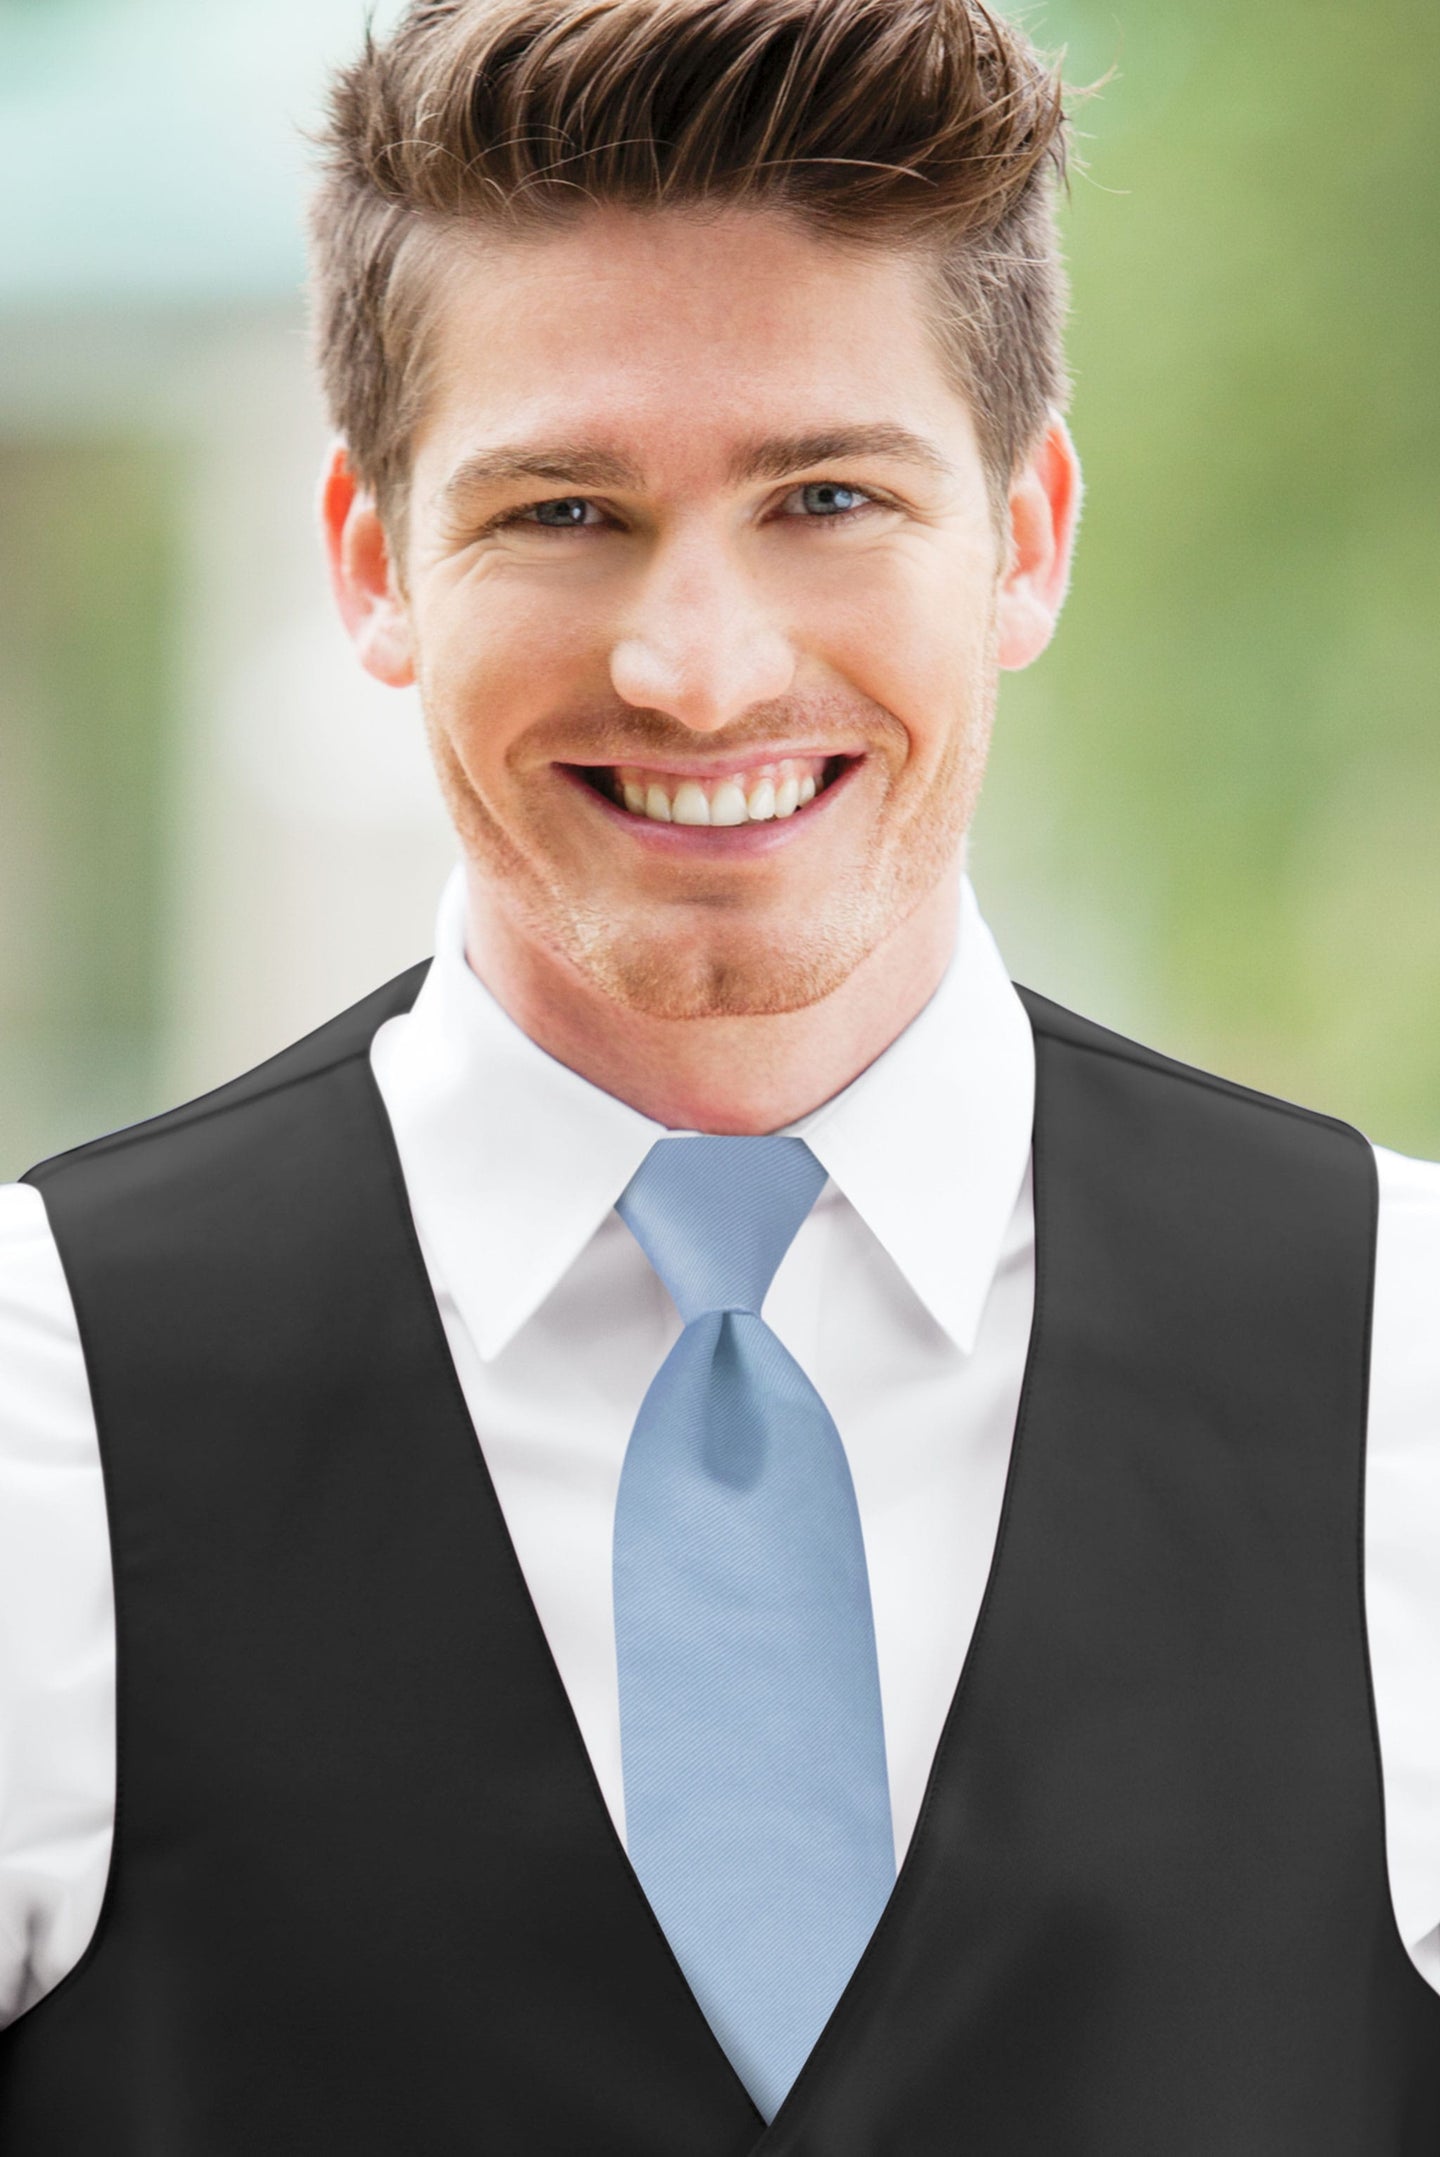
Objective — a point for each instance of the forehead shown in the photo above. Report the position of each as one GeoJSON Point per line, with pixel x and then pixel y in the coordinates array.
{"type": "Point", "coordinates": [675, 327]}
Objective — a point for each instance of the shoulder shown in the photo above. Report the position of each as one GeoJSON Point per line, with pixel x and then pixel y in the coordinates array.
{"type": "Point", "coordinates": [1402, 1533]}
{"type": "Point", "coordinates": [46, 1426]}
{"type": "Point", "coordinates": [1054, 1025]}
{"type": "Point", "coordinates": [1216, 1144]}
{"type": "Point", "coordinates": [1407, 1277]}
{"type": "Point", "coordinates": [207, 1199]}
{"type": "Point", "coordinates": [340, 1040]}
{"type": "Point", "coordinates": [36, 1323]}
{"type": "Point", "coordinates": [1409, 1193]}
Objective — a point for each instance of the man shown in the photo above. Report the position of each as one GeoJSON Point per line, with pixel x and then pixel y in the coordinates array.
{"type": "Point", "coordinates": [708, 1394]}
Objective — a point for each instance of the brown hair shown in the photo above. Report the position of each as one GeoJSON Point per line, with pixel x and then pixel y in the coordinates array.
{"type": "Point", "coordinates": [927, 124]}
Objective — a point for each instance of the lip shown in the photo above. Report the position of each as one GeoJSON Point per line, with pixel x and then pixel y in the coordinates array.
{"type": "Point", "coordinates": [709, 841]}
{"type": "Point", "coordinates": [723, 767]}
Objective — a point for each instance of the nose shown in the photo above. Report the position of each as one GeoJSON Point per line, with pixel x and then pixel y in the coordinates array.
{"type": "Point", "coordinates": [699, 642]}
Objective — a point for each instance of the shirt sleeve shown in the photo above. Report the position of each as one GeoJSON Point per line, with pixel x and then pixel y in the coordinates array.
{"type": "Point", "coordinates": [1402, 1541]}
{"type": "Point", "coordinates": [57, 1633]}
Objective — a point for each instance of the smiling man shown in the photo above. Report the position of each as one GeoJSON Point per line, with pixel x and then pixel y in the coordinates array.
{"type": "Point", "coordinates": [710, 719]}
{"type": "Point", "coordinates": [701, 1528]}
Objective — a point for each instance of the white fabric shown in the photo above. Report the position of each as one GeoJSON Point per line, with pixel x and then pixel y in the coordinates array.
{"type": "Point", "coordinates": [907, 1296]}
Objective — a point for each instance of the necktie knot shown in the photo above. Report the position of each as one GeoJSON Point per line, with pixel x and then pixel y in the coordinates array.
{"type": "Point", "coordinates": [715, 1216]}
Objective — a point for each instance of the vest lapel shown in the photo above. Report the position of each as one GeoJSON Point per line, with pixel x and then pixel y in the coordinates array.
{"type": "Point", "coordinates": [612, 1924]}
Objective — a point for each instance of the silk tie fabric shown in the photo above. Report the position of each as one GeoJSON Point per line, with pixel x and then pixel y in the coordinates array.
{"type": "Point", "coordinates": [757, 1804]}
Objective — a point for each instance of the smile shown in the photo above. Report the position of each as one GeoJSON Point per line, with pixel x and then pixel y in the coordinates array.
{"type": "Point", "coordinates": [761, 792]}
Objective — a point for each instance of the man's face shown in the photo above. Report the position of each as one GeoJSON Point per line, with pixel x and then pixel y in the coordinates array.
{"type": "Point", "coordinates": [700, 590]}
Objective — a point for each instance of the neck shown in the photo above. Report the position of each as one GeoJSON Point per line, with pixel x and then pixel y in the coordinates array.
{"type": "Point", "coordinates": [734, 1077]}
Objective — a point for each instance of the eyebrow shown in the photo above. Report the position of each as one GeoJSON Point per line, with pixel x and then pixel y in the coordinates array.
{"type": "Point", "coordinates": [562, 462]}
{"type": "Point", "coordinates": [786, 453]}
{"type": "Point", "coordinates": [578, 465]}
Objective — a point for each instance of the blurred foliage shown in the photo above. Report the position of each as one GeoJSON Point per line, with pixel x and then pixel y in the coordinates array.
{"type": "Point", "coordinates": [1211, 816]}
{"type": "Point", "coordinates": [86, 570]}
{"type": "Point", "coordinates": [1213, 806]}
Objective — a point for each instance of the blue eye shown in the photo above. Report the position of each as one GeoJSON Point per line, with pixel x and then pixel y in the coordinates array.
{"type": "Point", "coordinates": [566, 514]}
{"type": "Point", "coordinates": [830, 498]}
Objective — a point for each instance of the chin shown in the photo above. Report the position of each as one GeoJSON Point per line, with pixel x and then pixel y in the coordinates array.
{"type": "Point", "coordinates": [755, 975]}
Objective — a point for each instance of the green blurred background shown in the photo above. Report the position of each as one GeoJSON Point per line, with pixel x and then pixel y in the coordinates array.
{"type": "Point", "coordinates": [1212, 809]}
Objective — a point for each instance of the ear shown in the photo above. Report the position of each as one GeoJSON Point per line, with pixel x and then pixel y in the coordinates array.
{"type": "Point", "coordinates": [362, 576]}
{"type": "Point", "coordinates": [1044, 511]}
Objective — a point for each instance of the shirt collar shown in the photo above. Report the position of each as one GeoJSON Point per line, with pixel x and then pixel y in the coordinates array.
{"type": "Point", "coordinates": [512, 1161]}
{"type": "Point", "coordinates": [931, 1142]}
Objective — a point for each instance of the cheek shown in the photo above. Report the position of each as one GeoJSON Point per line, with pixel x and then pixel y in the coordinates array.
{"type": "Point", "coordinates": [494, 659]}
{"type": "Point", "coordinates": [925, 659]}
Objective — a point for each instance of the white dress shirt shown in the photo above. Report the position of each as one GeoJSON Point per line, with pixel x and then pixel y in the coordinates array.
{"type": "Point", "coordinates": [906, 1295]}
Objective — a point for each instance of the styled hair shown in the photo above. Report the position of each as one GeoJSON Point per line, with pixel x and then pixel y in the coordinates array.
{"type": "Point", "coordinates": [926, 125]}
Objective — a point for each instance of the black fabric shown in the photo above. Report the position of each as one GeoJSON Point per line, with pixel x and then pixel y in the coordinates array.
{"type": "Point", "coordinates": [365, 1895]}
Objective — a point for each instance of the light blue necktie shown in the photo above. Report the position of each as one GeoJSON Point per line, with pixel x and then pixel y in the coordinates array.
{"type": "Point", "coordinates": [756, 1802]}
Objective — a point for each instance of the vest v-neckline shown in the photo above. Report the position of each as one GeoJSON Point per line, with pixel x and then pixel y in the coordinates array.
{"type": "Point", "coordinates": [868, 1974]}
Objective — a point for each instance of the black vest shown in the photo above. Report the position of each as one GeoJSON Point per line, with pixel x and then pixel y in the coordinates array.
{"type": "Point", "coordinates": [366, 1900]}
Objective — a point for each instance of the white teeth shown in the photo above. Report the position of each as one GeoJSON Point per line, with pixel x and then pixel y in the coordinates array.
{"type": "Point", "coordinates": [775, 790]}
{"type": "Point", "coordinates": [728, 804]}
